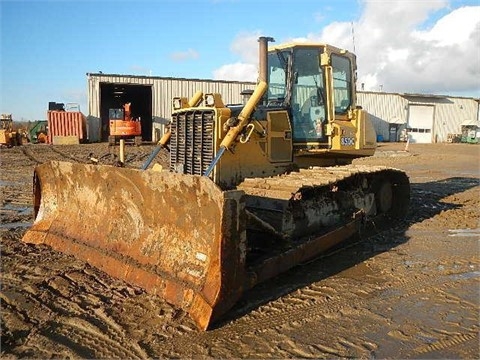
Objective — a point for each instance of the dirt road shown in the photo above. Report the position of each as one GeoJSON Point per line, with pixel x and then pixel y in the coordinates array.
{"type": "Point", "coordinates": [409, 292]}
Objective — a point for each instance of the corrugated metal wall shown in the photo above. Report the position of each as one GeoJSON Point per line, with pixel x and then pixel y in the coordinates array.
{"type": "Point", "coordinates": [164, 90]}
{"type": "Point", "coordinates": [384, 108]}
{"type": "Point", "coordinates": [449, 113]}
{"type": "Point", "coordinates": [66, 123]}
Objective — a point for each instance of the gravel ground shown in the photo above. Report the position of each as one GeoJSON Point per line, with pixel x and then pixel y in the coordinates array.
{"type": "Point", "coordinates": [412, 291]}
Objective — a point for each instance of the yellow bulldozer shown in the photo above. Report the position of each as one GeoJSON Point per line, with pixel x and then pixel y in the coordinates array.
{"type": "Point", "coordinates": [9, 136]}
{"type": "Point", "coordinates": [251, 190]}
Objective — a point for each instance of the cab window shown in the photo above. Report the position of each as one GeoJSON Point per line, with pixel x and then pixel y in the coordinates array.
{"type": "Point", "coordinates": [342, 84]}
{"type": "Point", "coordinates": [277, 76]}
{"type": "Point", "coordinates": [308, 110]}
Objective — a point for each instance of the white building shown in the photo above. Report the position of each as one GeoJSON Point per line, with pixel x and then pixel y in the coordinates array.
{"type": "Point", "coordinates": [428, 118]}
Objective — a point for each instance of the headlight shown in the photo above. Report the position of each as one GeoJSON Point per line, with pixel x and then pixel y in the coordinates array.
{"type": "Point", "coordinates": [177, 103]}
{"type": "Point", "coordinates": [209, 100]}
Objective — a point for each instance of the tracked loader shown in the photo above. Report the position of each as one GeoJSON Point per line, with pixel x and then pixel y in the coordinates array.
{"type": "Point", "coordinates": [251, 190]}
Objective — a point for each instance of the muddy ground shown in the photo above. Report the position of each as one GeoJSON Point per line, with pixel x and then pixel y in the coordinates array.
{"type": "Point", "coordinates": [409, 292]}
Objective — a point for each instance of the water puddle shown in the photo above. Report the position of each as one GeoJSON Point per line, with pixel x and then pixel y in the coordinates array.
{"type": "Point", "coordinates": [14, 183]}
{"type": "Point", "coordinates": [16, 225]}
{"type": "Point", "coordinates": [10, 215]}
{"type": "Point", "coordinates": [464, 232]}
{"type": "Point", "coordinates": [392, 153]}
{"type": "Point", "coordinates": [426, 339]}
{"type": "Point", "coordinates": [20, 209]}
{"type": "Point", "coordinates": [8, 183]}
{"type": "Point", "coordinates": [465, 276]}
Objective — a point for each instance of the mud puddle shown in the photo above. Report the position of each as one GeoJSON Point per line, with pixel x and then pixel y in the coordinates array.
{"type": "Point", "coordinates": [19, 209]}
{"type": "Point", "coordinates": [465, 232]}
{"type": "Point", "coordinates": [15, 225]}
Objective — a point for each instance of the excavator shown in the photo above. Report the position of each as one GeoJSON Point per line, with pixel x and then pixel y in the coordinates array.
{"type": "Point", "coordinates": [123, 126]}
{"type": "Point", "coordinates": [251, 189]}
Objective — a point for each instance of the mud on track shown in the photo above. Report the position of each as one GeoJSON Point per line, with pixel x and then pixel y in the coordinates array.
{"type": "Point", "coordinates": [409, 292]}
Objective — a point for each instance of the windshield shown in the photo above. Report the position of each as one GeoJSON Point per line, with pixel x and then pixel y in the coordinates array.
{"type": "Point", "coordinates": [308, 96]}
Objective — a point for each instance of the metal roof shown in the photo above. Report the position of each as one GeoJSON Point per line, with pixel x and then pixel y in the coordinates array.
{"type": "Point", "coordinates": [101, 74]}
{"type": "Point", "coordinates": [425, 96]}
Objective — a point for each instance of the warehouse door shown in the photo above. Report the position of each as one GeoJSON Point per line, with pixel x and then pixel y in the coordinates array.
{"type": "Point", "coordinates": [420, 123]}
{"type": "Point", "coordinates": [114, 95]}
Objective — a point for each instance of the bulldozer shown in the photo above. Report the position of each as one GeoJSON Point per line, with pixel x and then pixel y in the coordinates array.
{"type": "Point", "coordinates": [251, 189]}
{"type": "Point", "coordinates": [9, 135]}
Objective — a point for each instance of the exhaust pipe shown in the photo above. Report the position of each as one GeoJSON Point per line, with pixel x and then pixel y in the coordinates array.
{"type": "Point", "coordinates": [263, 58]}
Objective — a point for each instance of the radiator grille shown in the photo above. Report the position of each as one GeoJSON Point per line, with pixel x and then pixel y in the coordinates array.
{"type": "Point", "coordinates": [192, 141]}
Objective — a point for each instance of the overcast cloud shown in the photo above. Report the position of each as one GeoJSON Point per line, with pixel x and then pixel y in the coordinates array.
{"type": "Point", "coordinates": [395, 51]}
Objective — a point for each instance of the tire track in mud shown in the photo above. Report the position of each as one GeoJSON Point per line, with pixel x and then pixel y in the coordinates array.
{"type": "Point", "coordinates": [15, 189]}
{"type": "Point", "coordinates": [85, 155]}
{"type": "Point", "coordinates": [16, 208]}
{"type": "Point", "coordinates": [46, 153]}
{"type": "Point", "coordinates": [447, 342]}
{"type": "Point", "coordinates": [312, 303]}
{"type": "Point", "coordinates": [51, 310]}
{"type": "Point", "coordinates": [83, 328]}
{"type": "Point", "coordinates": [88, 341]}
{"type": "Point", "coordinates": [333, 290]}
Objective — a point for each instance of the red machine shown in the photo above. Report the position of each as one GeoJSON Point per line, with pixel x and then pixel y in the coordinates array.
{"type": "Point", "coordinates": [124, 126]}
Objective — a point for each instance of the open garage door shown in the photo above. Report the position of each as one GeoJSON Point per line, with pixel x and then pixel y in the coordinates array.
{"type": "Point", "coordinates": [420, 123]}
{"type": "Point", "coordinates": [113, 96]}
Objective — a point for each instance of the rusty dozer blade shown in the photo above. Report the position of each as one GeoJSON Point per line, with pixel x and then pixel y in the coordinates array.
{"type": "Point", "coordinates": [178, 236]}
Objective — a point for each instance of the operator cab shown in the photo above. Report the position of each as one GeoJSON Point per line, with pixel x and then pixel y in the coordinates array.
{"type": "Point", "coordinates": [297, 82]}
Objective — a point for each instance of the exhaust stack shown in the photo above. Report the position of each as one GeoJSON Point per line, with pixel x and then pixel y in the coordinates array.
{"type": "Point", "coordinates": [263, 58]}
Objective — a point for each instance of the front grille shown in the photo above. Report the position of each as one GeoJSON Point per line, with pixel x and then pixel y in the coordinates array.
{"type": "Point", "coordinates": [191, 141]}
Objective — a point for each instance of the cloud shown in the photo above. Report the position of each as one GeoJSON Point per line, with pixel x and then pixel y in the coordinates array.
{"type": "Point", "coordinates": [237, 72]}
{"type": "Point", "coordinates": [184, 55]}
{"type": "Point", "coordinates": [401, 46]}
{"type": "Point", "coordinates": [245, 46]}
{"type": "Point", "coordinates": [464, 20]}
{"type": "Point", "coordinates": [405, 59]}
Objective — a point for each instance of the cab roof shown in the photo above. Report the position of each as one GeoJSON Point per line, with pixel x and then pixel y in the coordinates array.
{"type": "Point", "coordinates": [308, 45]}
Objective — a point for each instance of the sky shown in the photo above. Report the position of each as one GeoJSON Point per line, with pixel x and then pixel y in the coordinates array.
{"type": "Point", "coordinates": [402, 46]}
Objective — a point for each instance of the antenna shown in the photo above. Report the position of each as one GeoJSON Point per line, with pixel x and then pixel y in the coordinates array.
{"type": "Point", "coordinates": [353, 37]}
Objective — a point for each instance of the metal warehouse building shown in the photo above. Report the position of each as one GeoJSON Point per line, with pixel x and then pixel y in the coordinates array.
{"type": "Point", "coordinates": [151, 98]}
{"type": "Point", "coordinates": [428, 118]}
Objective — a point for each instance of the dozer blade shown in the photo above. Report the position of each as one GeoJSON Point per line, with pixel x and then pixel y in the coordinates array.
{"type": "Point", "coordinates": [178, 236]}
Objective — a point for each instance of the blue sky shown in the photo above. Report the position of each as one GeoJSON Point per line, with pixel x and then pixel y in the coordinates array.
{"type": "Point", "coordinates": [47, 47]}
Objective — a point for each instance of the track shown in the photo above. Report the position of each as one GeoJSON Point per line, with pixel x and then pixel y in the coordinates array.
{"type": "Point", "coordinates": [42, 154]}
{"type": "Point", "coordinates": [296, 206]}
